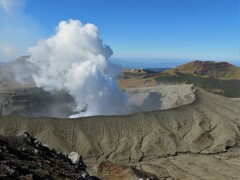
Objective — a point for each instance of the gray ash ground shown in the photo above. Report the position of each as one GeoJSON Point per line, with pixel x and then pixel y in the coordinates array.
{"type": "Point", "coordinates": [23, 157]}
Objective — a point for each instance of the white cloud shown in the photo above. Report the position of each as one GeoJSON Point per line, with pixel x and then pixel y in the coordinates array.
{"type": "Point", "coordinates": [18, 30]}
{"type": "Point", "coordinates": [6, 5]}
{"type": "Point", "coordinates": [9, 6]}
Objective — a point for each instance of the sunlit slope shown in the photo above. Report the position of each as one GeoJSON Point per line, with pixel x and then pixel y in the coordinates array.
{"type": "Point", "coordinates": [208, 69]}
{"type": "Point", "coordinates": [210, 125]}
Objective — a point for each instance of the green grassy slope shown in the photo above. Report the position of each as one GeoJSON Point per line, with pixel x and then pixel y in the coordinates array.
{"type": "Point", "coordinates": [212, 69]}
{"type": "Point", "coordinates": [226, 87]}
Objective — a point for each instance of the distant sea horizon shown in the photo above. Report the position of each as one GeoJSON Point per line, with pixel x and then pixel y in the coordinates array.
{"type": "Point", "coordinates": [146, 63]}
{"type": "Point", "coordinates": [150, 63]}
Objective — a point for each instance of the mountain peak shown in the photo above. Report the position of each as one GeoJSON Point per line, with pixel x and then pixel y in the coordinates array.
{"type": "Point", "coordinates": [209, 69]}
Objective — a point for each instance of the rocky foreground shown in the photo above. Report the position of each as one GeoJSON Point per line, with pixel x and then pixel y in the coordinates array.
{"type": "Point", "coordinates": [23, 157]}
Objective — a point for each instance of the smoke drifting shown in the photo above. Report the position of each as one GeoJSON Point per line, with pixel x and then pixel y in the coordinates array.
{"type": "Point", "coordinates": [76, 60]}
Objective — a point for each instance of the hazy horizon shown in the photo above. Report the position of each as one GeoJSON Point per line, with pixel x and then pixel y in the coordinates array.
{"type": "Point", "coordinates": [126, 62]}
{"type": "Point", "coordinates": [159, 62]}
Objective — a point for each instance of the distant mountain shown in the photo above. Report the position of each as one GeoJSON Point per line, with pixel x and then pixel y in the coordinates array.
{"type": "Point", "coordinates": [215, 77]}
{"type": "Point", "coordinates": [212, 69]}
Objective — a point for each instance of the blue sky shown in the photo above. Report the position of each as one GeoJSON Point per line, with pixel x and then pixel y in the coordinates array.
{"type": "Point", "coordinates": [172, 29]}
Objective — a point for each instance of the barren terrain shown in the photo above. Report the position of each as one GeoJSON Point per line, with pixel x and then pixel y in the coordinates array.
{"type": "Point", "coordinates": [202, 136]}
{"type": "Point", "coordinates": [181, 132]}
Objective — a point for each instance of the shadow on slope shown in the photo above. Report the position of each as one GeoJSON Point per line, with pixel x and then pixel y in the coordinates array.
{"type": "Point", "coordinates": [209, 125]}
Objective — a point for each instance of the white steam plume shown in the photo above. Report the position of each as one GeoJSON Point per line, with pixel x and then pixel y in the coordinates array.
{"type": "Point", "coordinates": [76, 60]}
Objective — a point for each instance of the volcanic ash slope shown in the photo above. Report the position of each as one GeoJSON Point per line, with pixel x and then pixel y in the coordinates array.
{"type": "Point", "coordinates": [209, 125]}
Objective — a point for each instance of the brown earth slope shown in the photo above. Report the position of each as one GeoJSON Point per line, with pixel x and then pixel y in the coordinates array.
{"type": "Point", "coordinates": [196, 141]}
{"type": "Point", "coordinates": [209, 125]}
{"type": "Point", "coordinates": [209, 69]}
{"type": "Point", "coordinates": [216, 77]}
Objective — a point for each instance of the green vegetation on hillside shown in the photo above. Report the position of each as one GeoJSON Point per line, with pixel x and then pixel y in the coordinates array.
{"type": "Point", "coordinates": [228, 87]}
{"type": "Point", "coordinates": [213, 69]}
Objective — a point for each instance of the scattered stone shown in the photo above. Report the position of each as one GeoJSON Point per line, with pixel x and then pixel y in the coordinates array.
{"type": "Point", "coordinates": [37, 161]}
{"type": "Point", "coordinates": [107, 170]}
{"type": "Point", "coordinates": [74, 157]}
